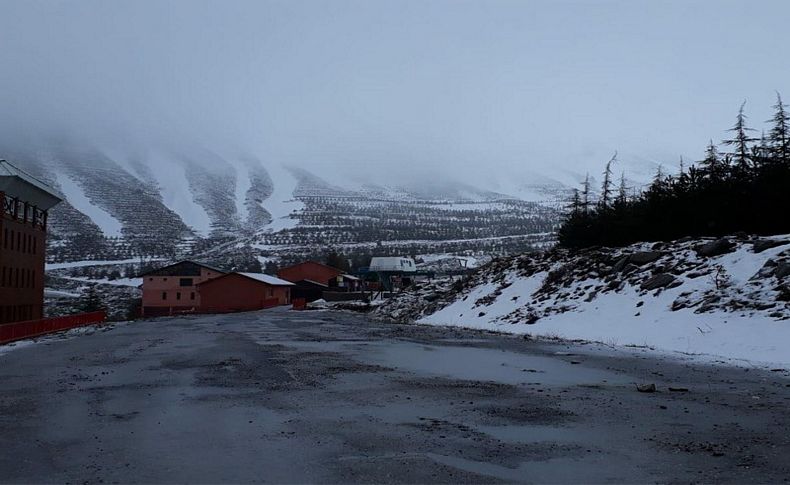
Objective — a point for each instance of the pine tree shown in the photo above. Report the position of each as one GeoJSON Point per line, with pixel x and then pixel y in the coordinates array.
{"type": "Point", "coordinates": [92, 302]}
{"type": "Point", "coordinates": [622, 191]}
{"type": "Point", "coordinates": [712, 165]}
{"type": "Point", "coordinates": [586, 194]}
{"type": "Point", "coordinates": [741, 140]}
{"type": "Point", "coordinates": [779, 135]}
{"type": "Point", "coordinates": [576, 203]}
{"type": "Point", "coordinates": [606, 188]}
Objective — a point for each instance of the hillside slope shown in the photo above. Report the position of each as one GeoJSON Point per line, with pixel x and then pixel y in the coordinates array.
{"type": "Point", "coordinates": [725, 297]}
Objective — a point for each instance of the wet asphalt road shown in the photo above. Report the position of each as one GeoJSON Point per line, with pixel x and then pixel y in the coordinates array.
{"type": "Point", "coordinates": [279, 396]}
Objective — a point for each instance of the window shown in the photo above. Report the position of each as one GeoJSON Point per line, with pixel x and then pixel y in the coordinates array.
{"type": "Point", "coordinates": [185, 282]}
{"type": "Point", "coordinates": [192, 296]}
{"type": "Point", "coordinates": [164, 295]}
{"type": "Point", "coordinates": [178, 295]}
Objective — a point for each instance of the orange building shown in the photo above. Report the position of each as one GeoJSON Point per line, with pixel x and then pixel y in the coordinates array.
{"type": "Point", "coordinates": [312, 279]}
{"type": "Point", "coordinates": [24, 202]}
{"type": "Point", "coordinates": [236, 292]}
{"type": "Point", "coordinates": [309, 271]}
{"type": "Point", "coordinates": [173, 289]}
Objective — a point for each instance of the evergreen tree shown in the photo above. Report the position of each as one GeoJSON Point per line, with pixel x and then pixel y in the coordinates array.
{"type": "Point", "coordinates": [606, 188]}
{"type": "Point", "coordinates": [740, 141]}
{"type": "Point", "coordinates": [92, 302]}
{"type": "Point", "coordinates": [779, 135]}
{"type": "Point", "coordinates": [622, 191]}
{"type": "Point", "coordinates": [712, 166]}
{"type": "Point", "coordinates": [585, 203]}
{"type": "Point", "coordinates": [576, 203]}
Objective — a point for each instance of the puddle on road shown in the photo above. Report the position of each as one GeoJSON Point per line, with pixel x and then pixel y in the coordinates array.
{"type": "Point", "coordinates": [538, 433]}
{"type": "Point", "coordinates": [596, 468]}
{"type": "Point", "coordinates": [470, 363]}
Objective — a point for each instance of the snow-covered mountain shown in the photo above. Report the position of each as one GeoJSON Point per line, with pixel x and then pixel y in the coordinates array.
{"type": "Point", "coordinates": [170, 203]}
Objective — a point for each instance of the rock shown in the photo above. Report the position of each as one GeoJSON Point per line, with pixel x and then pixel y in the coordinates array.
{"type": "Point", "coordinates": [620, 264]}
{"type": "Point", "coordinates": [660, 280]}
{"type": "Point", "coordinates": [760, 245]}
{"type": "Point", "coordinates": [715, 248]}
{"type": "Point", "coordinates": [782, 270]}
{"type": "Point", "coordinates": [646, 387]}
{"type": "Point", "coordinates": [644, 257]}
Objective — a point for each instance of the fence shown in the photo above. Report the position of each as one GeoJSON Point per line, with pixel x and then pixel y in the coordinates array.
{"type": "Point", "coordinates": [33, 328]}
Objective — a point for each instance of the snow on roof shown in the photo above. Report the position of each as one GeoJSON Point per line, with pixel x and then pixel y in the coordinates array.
{"type": "Point", "coordinates": [198, 263]}
{"type": "Point", "coordinates": [18, 183]}
{"type": "Point", "coordinates": [392, 263]}
{"type": "Point", "coordinates": [268, 279]}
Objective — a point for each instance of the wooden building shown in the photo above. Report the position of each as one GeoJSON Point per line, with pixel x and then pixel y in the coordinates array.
{"type": "Point", "coordinates": [237, 292]}
{"type": "Point", "coordinates": [173, 288]}
{"type": "Point", "coordinates": [24, 202]}
{"type": "Point", "coordinates": [312, 279]}
{"type": "Point", "coordinates": [311, 271]}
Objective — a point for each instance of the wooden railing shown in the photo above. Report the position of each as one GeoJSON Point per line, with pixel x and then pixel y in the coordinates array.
{"type": "Point", "coordinates": [33, 328]}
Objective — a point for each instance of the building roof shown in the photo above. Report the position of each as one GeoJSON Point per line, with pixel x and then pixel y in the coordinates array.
{"type": "Point", "coordinates": [316, 283]}
{"type": "Point", "coordinates": [392, 264]}
{"type": "Point", "coordinates": [18, 183]}
{"type": "Point", "coordinates": [203, 265]}
{"type": "Point", "coordinates": [268, 279]}
{"type": "Point", "coordinates": [312, 262]}
{"type": "Point", "coordinates": [259, 277]}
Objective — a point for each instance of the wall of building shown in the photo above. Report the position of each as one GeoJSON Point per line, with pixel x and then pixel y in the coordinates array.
{"type": "Point", "coordinates": [166, 294]}
{"type": "Point", "coordinates": [234, 293]}
{"type": "Point", "coordinates": [22, 247]}
{"type": "Point", "coordinates": [308, 271]}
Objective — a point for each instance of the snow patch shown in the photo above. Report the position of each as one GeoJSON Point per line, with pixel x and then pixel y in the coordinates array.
{"type": "Point", "coordinates": [171, 177]}
{"type": "Point", "coordinates": [282, 204]}
{"type": "Point", "coordinates": [110, 226]}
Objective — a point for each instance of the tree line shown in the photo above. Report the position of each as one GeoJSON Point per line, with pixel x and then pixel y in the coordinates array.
{"type": "Point", "coordinates": [742, 185]}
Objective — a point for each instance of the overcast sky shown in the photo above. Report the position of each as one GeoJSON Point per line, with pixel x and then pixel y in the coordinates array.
{"type": "Point", "coordinates": [395, 85]}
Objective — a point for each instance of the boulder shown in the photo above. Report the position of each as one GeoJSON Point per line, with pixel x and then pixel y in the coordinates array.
{"type": "Point", "coordinates": [660, 280]}
{"type": "Point", "coordinates": [716, 248]}
{"type": "Point", "coordinates": [782, 270]}
{"type": "Point", "coordinates": [620, 264]}
{"type": "Point", "coordinates": [760, 245]}
{"type": "Point", "coordinates": [644, 257]}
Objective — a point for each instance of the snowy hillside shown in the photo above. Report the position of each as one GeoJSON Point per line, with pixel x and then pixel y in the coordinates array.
{"type": "Point", "coordinates": [727, 298]}
{"type": "Point", "coordinates": [164, 202]}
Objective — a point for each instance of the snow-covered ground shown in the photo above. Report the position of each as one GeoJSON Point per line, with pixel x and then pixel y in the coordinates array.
{"type": "Point", "coordinates": [281, 204]}
{"type": "Point", "coordinates": [81, 264]}
{"type": "Point", "coordinates": [109, 225]}
{"type": "Point", "coordinates": [732, 306]}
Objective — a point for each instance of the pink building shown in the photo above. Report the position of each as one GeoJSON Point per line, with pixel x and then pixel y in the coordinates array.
{"type": "Point", "coordinates": [173, 288]}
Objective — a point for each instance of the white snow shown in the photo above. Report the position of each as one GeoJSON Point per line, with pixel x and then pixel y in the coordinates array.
{"type": "Point", "coordinates": [110, 226]}
{"type": "Point", "coordinates": [133, 282]}
{"type": "Point", "coordinates": [170, 175]}
{"type": "Point", "coordinates": [268, 279]}
{"type": "Point", "coordinates": [80, 264]}
{"type": "Point", "coordinates": [59, 293]}
{"type": "Point", "coordinates": [613, 318]}
{"type": "Point", "coordinates": [281, 204]}
{"type": "Point", "coordinates": [243, 184]}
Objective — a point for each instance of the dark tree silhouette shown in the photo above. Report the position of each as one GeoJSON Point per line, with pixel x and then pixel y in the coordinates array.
{"type": "Point", "coordinates": [742, 191]}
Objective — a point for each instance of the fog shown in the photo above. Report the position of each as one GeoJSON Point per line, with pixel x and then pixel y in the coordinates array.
{"type": "Point", "coordinates": [470, 89]}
